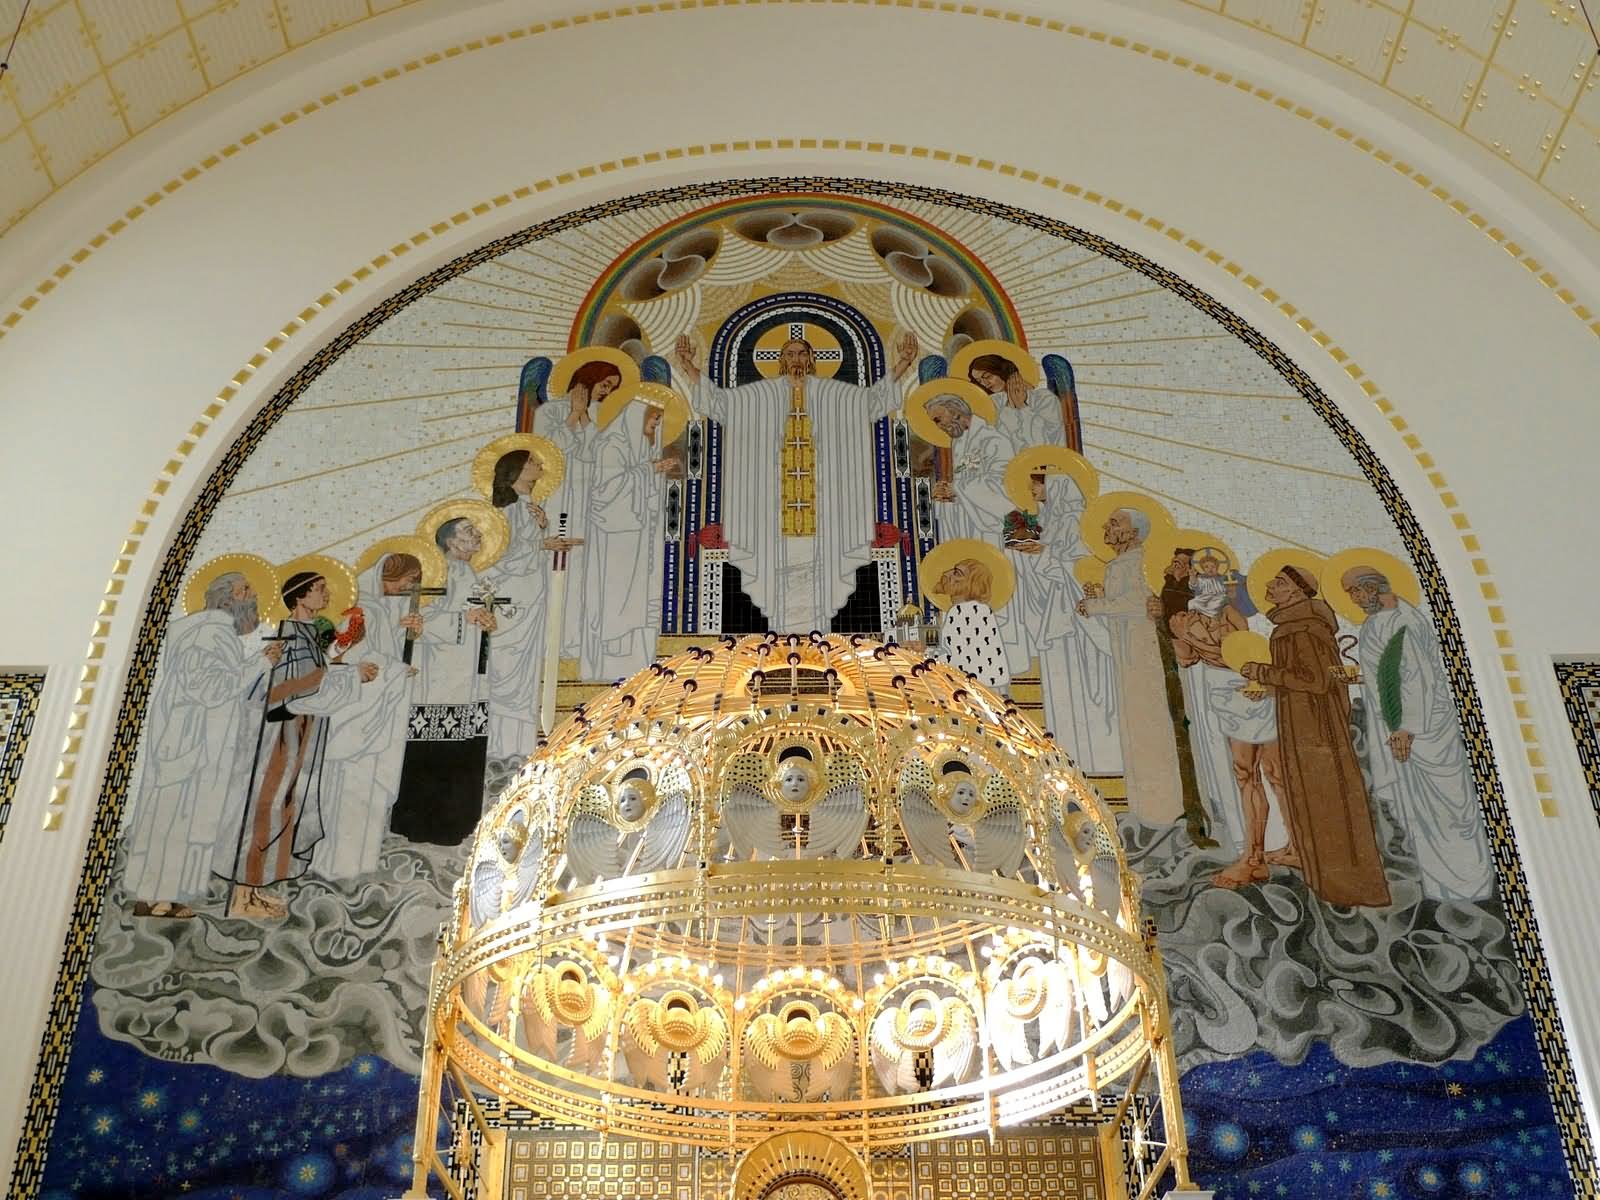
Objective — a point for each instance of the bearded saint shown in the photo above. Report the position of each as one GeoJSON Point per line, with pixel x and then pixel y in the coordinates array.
{"type": "Point", "coordinates": [1419, 762]}
{"type": "Point", "coordinates": [798, 502]}
{"type": "Point", "coordinates": [1332, 839]}
{"type": "Point", "coordinates": [209, 664]}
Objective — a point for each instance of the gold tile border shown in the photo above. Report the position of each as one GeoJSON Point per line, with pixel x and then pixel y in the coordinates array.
{"type": "Point", "coordinates": [1534, 971]}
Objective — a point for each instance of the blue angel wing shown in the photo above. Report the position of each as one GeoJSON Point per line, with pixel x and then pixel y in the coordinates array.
{"type": "Point", "coordinates": [1059, 378]}
{"type": "Point", "coordinates": [531, 389]}
{"type": "Point", "coordinates": [655, 369]}
{"type": "Point", "coordinates": [932, 366]}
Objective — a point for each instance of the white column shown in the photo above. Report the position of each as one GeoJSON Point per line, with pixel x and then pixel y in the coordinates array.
{"type": "Point", "coordinates": [710, 598]}
{"type": "Point", "coordinates": [889, 588]}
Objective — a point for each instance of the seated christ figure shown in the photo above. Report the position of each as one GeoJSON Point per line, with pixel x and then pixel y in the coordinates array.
{"type": "Point", "coordinates": [797, 496]}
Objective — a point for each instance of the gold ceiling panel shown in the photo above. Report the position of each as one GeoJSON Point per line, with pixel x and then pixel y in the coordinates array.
{"type": "Point", "coordinates": [89, 75]}
{"type": "Point", "coordinates": [1517, 76]}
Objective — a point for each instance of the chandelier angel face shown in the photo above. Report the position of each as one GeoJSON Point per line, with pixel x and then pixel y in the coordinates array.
{"type": "Point", "coordinates": [783, 880]}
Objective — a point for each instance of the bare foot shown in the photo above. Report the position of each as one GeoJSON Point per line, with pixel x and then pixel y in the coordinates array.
{"type": "Point", "coordinates": [1242, 872]}
{"type": "Point", "coordinates": [1284, 858]}
{"type": "Point", "coordinates": [170, 909]}
{"type": "Point", "coordinates": [253, 903]}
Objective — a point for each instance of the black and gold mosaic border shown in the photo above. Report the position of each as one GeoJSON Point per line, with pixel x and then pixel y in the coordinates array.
{"type": "Point", "coordinates": [24, 688]}
{"type": "Point", "coordinates": [44, 1094]}
{"type": "Point", "coordinates": [1575, 677]}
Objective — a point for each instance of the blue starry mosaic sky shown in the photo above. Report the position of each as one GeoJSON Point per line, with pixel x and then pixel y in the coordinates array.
{"type": "Point", "coordinates": [136, 1128]}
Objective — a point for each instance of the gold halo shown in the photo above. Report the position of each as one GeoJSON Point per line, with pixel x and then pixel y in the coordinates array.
{"type": "Point", "coordinates": [561, 377]}
{"type": "Point", "coordinates": [916, 407]}
{"type": "Point", "coordinates": [674, 409]}
{"type": "Point", "coordinates": [1048, 460]}
{"type": "Point", "coordinates": [258, 572]}
{"type": "Point", "coordinates": [1090, 569]}
{"type": "Point", "coordinates": [1098, 510]}
{"type": "Point", "coordinates": [779, 336]}
{"type": "Point", "coordinates": [1158, 548]}
{"type": "Point", "coordinates": [961, 364]}
{"type": "Point", "coordinates": [1402, 579]}
{"type": "Point", "coordinates": [555, 465]}
{"type": "Point", "coordinates": [1245, 646]}
{"type": "Point", "coordinates": [491, 523]}
{"type": "Point", "coordinates": [1273, 561]}
{"type": "Point", "coordinates": [947, 554]}
{"type": "Point", "coordinates": [341, 586]}
{"type": "Point", "coordinates": [425, 552]}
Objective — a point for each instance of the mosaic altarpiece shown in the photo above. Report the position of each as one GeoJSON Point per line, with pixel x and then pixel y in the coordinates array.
{"type": "Point", "coordinates": [803, 404]}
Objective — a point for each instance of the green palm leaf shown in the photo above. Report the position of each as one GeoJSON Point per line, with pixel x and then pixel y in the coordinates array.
{"type": "Point", "coordinates": [1389, 680]}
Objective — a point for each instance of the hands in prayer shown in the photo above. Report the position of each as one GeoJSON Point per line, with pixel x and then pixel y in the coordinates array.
{"type": "Point", "coordinates": [1400, 744]}
{"type": "Point", "coordinates": [944, 491]}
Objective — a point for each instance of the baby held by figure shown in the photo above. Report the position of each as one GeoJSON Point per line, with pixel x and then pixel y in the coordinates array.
{"type": "Point", "coordinates": [1211, 587]}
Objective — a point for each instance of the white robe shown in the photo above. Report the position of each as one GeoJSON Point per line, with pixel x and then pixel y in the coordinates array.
{"type": "Point", "coordinates": [367, 744]}
{"type": "Point", "coordinates": [1431, 794]}
{"type": "Point", "coordinates": [1149, 749]}
{"type": "Point", "coordinates": [979, 457]}
{"type": "Point", "coordinates": [578, 446]}
{"type": "Point", "coordinates": [822, 569]}
{"type": "Point", "coordinates": [449, 643]}
{"type": "Point", "coordinates": [1076, 671]}
{"type": "Point", "coordinates": [1037, 423]}
{"type": "Point", "coordinates": [622, 562]}
{"type": "Point", "coordinates": [517, 647]}
{"type": "Point", "coordinates": [197, 711]}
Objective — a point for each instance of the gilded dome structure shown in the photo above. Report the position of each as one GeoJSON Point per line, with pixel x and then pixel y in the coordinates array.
{"type": "Point", "coordinates": [801, 883]}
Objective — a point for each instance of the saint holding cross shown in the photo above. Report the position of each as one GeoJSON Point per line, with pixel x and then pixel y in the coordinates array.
{"type": "Point", "coordinates": [797, 496]}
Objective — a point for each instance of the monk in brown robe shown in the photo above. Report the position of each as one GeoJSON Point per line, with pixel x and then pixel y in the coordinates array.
{"type": "Point", "coordinates": [1332, 839]}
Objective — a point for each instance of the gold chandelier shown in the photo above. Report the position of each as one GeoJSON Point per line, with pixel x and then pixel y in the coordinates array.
{"type": "Point", "coordinates": [789, 883]}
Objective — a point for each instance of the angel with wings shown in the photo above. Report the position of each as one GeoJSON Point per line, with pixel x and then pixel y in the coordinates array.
{"type": "Point", "coordinates": [1031, 1011]}
{"type": "Point", "coordinates": [675, 1043]}
{"type": "Point", "coordinates": [562, 998]}
{"type": "Point", "coordinates": [924, 1042]}
{"type": "Point", "coordinates": [1086, 867]}
{"type": "Point", "coordinates": [952, 820]}
{"type": "Point", "coordinates": [781, 806]}
{"type": "Point", "coordinates": [1083, 865]}
{"type": "Point", "coordinates": [630, 827]}
{"type": "Point", "coordinates": [799, 1053]}
{"type": "Point", "coordinates": [505, 877]}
